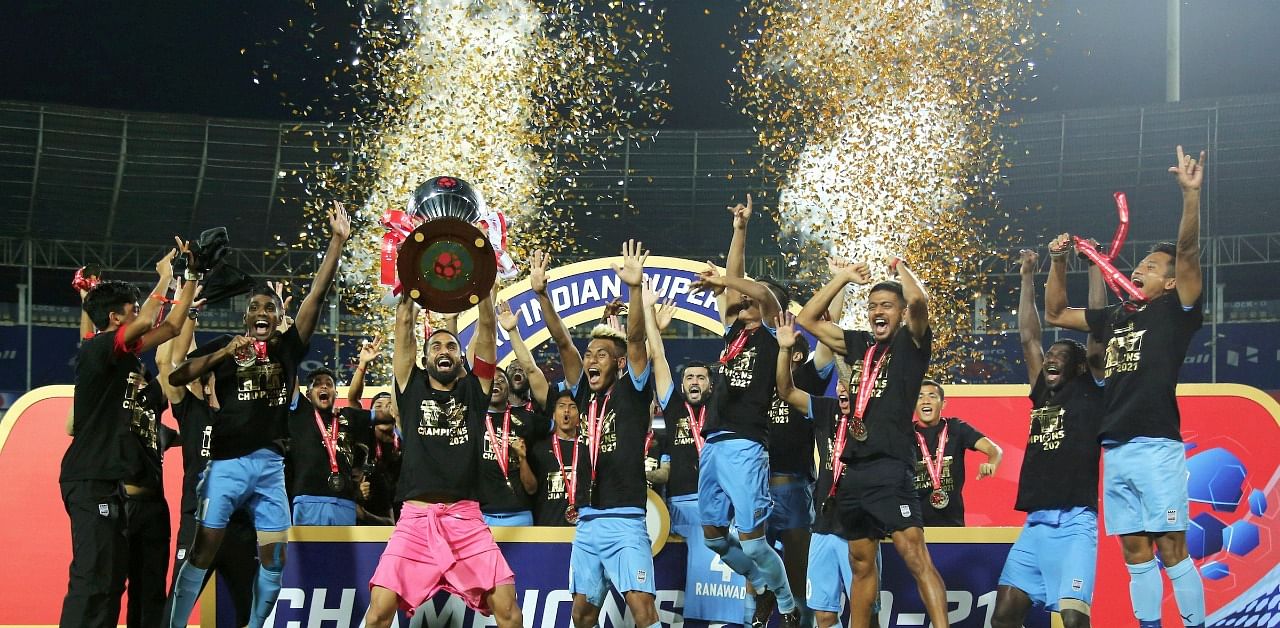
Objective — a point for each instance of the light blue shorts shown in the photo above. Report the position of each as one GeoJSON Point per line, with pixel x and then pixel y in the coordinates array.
{"type": "Point", "coordinates": [684, 515]}
{"type": "Point", "coordinates": [733, 477]}
{"type": "Point", "coordinates": [792, 506]}
{"type": "Point", "coordinates": [254, 481]}
{"type": "Point", "coordinates": [312, 510]}
{"type": "Point", "coordinates": [610, 549]}
{"type": "Point", "coordinates": [830, 575]}
{"type": "Point", "coordinates": [1055, 558]}
{"type": "Point", "coordinates": [1144, 487]}
{"type": "Point", "coordinates": [509, 519]}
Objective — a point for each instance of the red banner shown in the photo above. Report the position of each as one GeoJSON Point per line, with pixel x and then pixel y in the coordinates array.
{"type": "Point", "coordinates": [1231, 433]}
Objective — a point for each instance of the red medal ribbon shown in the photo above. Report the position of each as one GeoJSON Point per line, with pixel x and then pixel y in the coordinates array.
{"type": "Point", "coordinates": [330, 439]}
{"type": "Point", "coordinates": [934, 467]}
{"type": "Point", "coordinates": [502, 448]}
{"type": "Point", "coordinates": [837, 465]}
{"type": "Point", "coordinates": [695, 425]}
{"type": "Point", "coordinates": [868, 380]}
{"type": "Point", "coordinates": [648, 440]}
{"type": "Point", "coordinates": [595, 425]}
{"type": "Point", "coordinates": [572, 476]}
{"type": "Point", "coordinates": [1116, 280]}
{"type": "Point", "coordinates": [377, 447]}
{"type": "Point", "coordinates": [737, 345]}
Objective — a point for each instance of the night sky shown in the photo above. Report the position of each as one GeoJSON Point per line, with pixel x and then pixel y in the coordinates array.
{"type": "Point", "coordinates": [185, 56]}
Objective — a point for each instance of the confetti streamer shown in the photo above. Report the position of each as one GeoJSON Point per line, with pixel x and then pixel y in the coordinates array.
{"type": "Point", "coordinates": [875, 119]}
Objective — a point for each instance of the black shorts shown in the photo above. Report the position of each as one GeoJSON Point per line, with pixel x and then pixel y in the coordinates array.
{"type": "Point", "coordinates": [877, 497]}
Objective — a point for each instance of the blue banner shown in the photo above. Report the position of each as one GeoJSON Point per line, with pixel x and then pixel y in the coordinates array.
{"type": "Point", "coordinates": [326, 585]}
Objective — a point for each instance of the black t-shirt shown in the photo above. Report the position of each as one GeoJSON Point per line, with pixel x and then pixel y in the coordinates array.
{"type": "Point", "coordinates": [254, 400]}
{"type": "Point", "coordinates": [551, 500]}
{"type": "Point", "coordinates": [888, 417]}
{"type": "Point", "coordinates": [1145, 349]}
{"type": "Point", "coordinates": [745, 386]}
{"type": "Point", "coordinates": [496, 494]}
{"type": "Point", "coordinates": [309, 458]}
{"type": "Point", "coordinates": [443, 431]}
{"type": "Point", "coordinates": [151, 436]}
{"type": "Point", "coordinates": [790, 440]}
{"type": "Point", "coordinates": [624, 420]}
{"type": "Point", "coordinates": [681, 445]}
{"type": "Point", "coordinates": [108, 381]}
{"type": "Point", "coordinates": [825, 414]}
{"type": "Point", "coordinates": [382, 482]}
{"type": "Point", "coordinates": [196, 431]}
{"type": "Point", "coordinates": [1060, 468]}
{"type": "Point", "coordinates": [960, 437]}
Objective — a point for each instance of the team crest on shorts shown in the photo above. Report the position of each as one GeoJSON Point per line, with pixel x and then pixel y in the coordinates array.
{"type": "Point", "coordinates": [1171, 516]}
{"type": "Point", "coordinates": [1077, 584]}
{"type": "Point", "coordinates": [905, 510]}
{"type": "Point", "coordinates": [641, 575]}
{"type": "Point", "coordinates": [182, 553]}
{"type": "Point", "coordinates": [104, 510]}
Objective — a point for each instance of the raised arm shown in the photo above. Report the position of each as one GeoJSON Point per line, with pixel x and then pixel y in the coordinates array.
{"type": "Point", "coordinates": [371, 351]}
{"type": "Point", "coordinates": [538, 385]}
{"type": "Point", "coordinates": [405, 353]}
{"type": "Point", "coordinates": [736, 260]}
{"type": "Point", "coordinates": [172, 353]}
{"type": "Point", "coordinates": [786, 334]}
{"type": "Point", "coordinates": [655, 315]}
{"type": "Point", "coordinates": [822, 354]}
{"type": "Point", "coordinates": [1094, 348]}
{"type": "Point", "coordinates": [570, 357]}
{"type": "Point", "coordinates": [309, 311]}
{"type": "Point", "coordinates": [710, 279]}
{"type": "Point", "coordinates": [486, 339]}
{"type": "Point", "coordinates": [141, 328]}
{"type": "Point", "coordinates": [1029, 331]}
{"type": "Point", "coordinates": [917, 298]}
{"type": "Point", "coordinates": [1056, 310]}
{"type": "Point", "coordinates": [632, 273]}
{"type": "Point", "coordinates": [1186, 268]}
{"type": "Point", "coordinates": [811, 315]}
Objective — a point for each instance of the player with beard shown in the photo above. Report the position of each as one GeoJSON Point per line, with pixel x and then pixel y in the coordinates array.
{"type": "Point", "coordinates": [551, 465]}
{"type": "Point", "coordinates": [611, 384]}
{"type": "Point", "coordinates": [441, 542]}
{"type": "Point", "coordinates": [1054, 562]}
{"type": "Point", "coordinates": [193, 406]}
{"type": "Point", "coordinates": [876, 497]}
{"type": "Point", "coordinates": [508, 430]}
{"type": "Point", "coordinates": [941, 446]}
{"type": "Point", "coordinates": [734, 466]}
{"type": "Point", "coordinates": [108, 413]}
{"type": "Point", "coordinates": [322, 452]}
{"type": "Point", "coordinates": [829, 574]}
{"type": "Point", "coordinates": [254, 376]}
{"type": "Point", "coordinates": [1144, 461]}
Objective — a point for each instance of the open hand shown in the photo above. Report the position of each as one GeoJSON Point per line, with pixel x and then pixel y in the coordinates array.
{"type": "Point", "coordinates": [785, 329]}
{"type": "Point", "coordinates": [709, 280]}
{"type": "Point", "coordinates": [339, 222]}
{"type": "Point", "coordinates": [506, 318]}
{"type": "Point", "coordinates": [538, 265]}
{"type": "Point", "coordinates": [633, 257]}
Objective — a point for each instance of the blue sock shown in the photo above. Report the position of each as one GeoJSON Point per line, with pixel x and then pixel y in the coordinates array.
{"type": "Point", "coordinates": [771, 570]}
{"type": "Point", "coordinates": [1188, 590]}
{"type": "Point", "coordinates": [266, 589]}
{"type": "Point", "coordinates": [731, 553]}
{"type": "Point", "coordinates": [748, 609]}
{"type": "Point", "coordinates": [1146, 589]}
{"type": "Point", "coordinates": [185, 591]}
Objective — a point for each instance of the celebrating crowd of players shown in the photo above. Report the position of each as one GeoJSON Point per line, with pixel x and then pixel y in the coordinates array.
{"type": "Point", "coordinates": [461, 445]}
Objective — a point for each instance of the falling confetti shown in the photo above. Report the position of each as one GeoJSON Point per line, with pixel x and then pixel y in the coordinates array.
{"type": "Point", "coordinates": [876, 120]}
{"type": "Point", "coordinates": [518, 97]}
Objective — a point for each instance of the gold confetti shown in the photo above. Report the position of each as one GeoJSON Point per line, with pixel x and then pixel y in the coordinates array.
{"type": "Point", "coordinates": [875, 120]}
{"type": "Point", "coordinates": [518, 97]}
